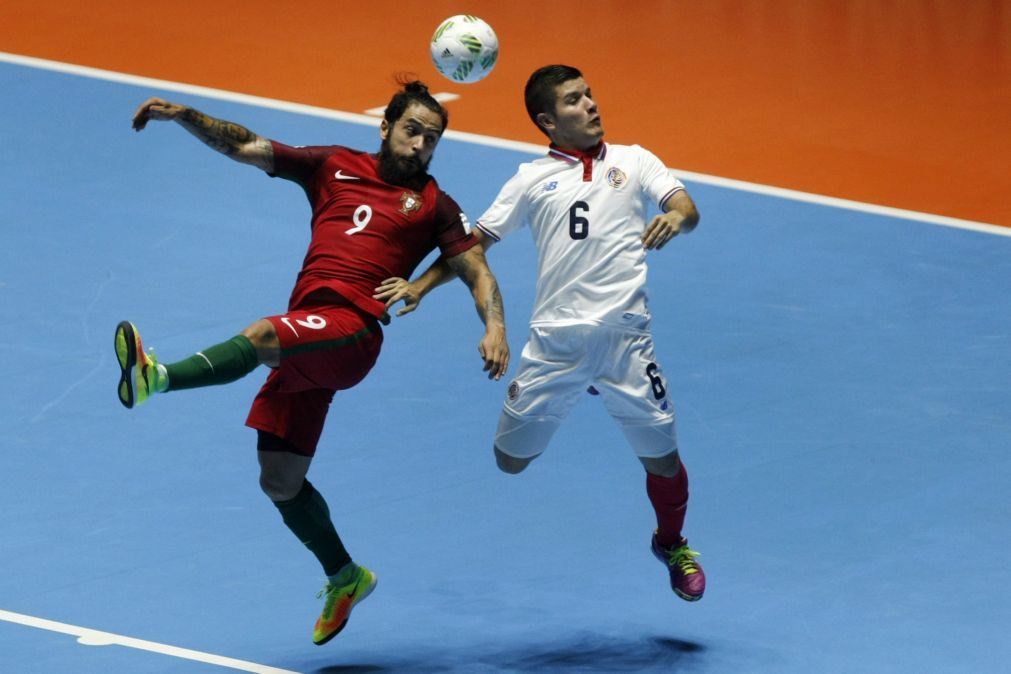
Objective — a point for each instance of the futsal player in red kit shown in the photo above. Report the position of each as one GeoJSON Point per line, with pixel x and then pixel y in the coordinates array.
{"type": "Point", "coordinates": [374, 218]}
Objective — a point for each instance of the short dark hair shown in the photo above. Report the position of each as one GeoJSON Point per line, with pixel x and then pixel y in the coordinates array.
{"type": "Point", "coordinates": [413, 91]}
{"type": "Point", "coordinates": [539, 94]}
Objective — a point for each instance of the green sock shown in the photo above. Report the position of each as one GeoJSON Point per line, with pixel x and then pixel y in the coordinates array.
{"type": "Point", "coordinates": [220, 364]}
{"type": "Point", "coordinates": [308, 517]}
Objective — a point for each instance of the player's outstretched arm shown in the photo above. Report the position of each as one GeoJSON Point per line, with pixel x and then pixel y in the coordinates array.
{"type": "Point", "coordinates": [230, 139]}
{"type": "Point", "coordinates": [679, 217]}
{"type": "Point", "coordinates": [392, 290]}
{"type": "Point", "coordinates": [472, 268]}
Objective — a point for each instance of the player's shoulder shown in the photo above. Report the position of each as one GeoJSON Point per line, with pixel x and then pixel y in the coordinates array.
{"type": "Point", "coordinates": [333, 153]}
{"type": "Point", "coordinates": [541, 163]}
{"type": "Point", "coordinates": [324, 155]}
{"type": "Point", "coordinates": [634, 158]}
{"type": "Point", "coordinates": [319, 149]}
{"type": "Point", "coordinates": [432, 187]}
{"type": "Point", "coordinates": [441, 195]}
{"type": "Point", "coordinates": [530, 171]}
{"type": "Point", "coordinates": [348, 152]}
{"type": "Point", "coordinates": [443, 200]}
{"type": "Point", "coordinates": [619, 150]}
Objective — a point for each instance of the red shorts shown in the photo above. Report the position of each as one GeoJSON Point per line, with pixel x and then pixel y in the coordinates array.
{"type": "Point", "coordinates": [324, 348]}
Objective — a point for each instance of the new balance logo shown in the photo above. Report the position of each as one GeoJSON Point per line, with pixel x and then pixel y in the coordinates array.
{"type": "Point", "coordinates": [340, 176]}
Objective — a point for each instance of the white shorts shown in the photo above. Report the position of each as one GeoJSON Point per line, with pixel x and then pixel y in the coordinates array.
{"type": "Point", "coordinates": [557, 366]}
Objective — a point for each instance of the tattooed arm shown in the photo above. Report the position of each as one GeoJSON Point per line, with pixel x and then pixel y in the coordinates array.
{"type": "Point", "coordinates": [392, 290]}
{"type": "Point", "coordinates": [230, 139]}
{"type": "Point", "coordinates": [472, 268]}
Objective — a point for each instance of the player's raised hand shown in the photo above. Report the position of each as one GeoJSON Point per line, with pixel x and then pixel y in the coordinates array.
{"type": "Point", "coordinates": [155, 108]}
{"type": "Point", "coordinates": [394, 289]}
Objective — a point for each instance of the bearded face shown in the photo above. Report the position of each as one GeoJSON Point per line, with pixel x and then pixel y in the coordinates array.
{"type": "Point", "coordinates": [405, 171]}
{"type": "Point", "coordinates": [408, 145]}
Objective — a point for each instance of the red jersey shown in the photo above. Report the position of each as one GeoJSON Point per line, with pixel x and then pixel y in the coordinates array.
{"type": "Point", "coordinates": [365, 230]}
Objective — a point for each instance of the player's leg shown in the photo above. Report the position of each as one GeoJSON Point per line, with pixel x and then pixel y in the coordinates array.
{"type": "Point", "coordinates": [548, 381]}
{"type": "Point", "coordinates": [327, 350]}
{"type": "Point", "coordinates": [668, 493]}
{"type": "Point", "coordinates": [306, 514]}
{"type": "Point", "coordinates": [635, 394]}
{"type": "Point", "coordinates": [288, 428]}
{"type": "Point", "coordinates": [667, 489]}
{"type": "Point", "coordinates": [283, 470]}
{"type": "Point", "coordinates": [141, 375]}
{"type": "Point", "coordinates": [519, 441]}
{"type": "Point", "coordinates": [295, 421]}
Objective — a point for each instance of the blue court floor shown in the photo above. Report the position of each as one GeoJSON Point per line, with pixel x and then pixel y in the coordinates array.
{"type": "Point", "coordinates": [841, 379]}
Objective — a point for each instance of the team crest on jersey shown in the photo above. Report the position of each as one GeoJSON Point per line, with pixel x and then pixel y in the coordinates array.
{"type": "Point", "coordinates": [410, 202]}
{"type": "Point", "coordinates": [513, 392]}
{"type": "Point", "coordinates": [616, 177]}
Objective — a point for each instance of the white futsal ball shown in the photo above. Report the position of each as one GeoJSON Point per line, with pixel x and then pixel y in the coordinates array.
{"type": "Point", "coordinates": [464, 48]}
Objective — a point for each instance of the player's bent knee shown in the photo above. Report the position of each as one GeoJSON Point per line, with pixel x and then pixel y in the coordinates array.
{"type": "Point", "coordinates": [260, 331]}
{"type": "Point", "coordinates": [282, 471]}
{"type": "Point", "coordinates": [263, 337]}
{"type": "Point", "coordinates": [654, 443]}
{"type": "Point", "coordinates": [280, 485]}
{"type": "Point", "coordinates": [276, 489]}
{"type": "Point", "coordinates": [511, 464]}
{"type": "Point", "coordinates": [519, 441]}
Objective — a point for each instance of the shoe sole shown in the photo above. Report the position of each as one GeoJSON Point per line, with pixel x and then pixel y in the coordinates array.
{"type": "Point", "coordinates": [687, 597]}
{"type": "Point", "coordinates": [125, 344]}
{"type": "Point", "coordinates": [357, 601]}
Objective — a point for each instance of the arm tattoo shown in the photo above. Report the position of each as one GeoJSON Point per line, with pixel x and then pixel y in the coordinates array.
{"type": "Point", "coordinates": [460, 266]}
{"type": "Point", "coordinates": [491, 308]}
{"type": "Point", "coordinates": [225, 137]}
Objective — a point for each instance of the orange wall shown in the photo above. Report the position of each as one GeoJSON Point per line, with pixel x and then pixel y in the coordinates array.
{"type": "Point", "coordinates": [900, 104]}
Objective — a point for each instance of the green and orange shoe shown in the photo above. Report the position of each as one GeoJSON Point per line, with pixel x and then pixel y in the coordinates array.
{"type": "Point", "coordinates": [338, 602]}
{"type": "Point", "coordinates": [139, 373]}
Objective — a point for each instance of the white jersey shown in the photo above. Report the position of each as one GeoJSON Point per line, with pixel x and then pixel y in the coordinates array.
{"type": "Point", "coordinates": [587, 216]}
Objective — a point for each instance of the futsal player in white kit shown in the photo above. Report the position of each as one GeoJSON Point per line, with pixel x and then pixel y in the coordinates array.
{"type": "Point", "coordinates": [586, 204]}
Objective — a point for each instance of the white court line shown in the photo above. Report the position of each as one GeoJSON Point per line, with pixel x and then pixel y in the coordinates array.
{"type": "Point", "coordinates": [442, 97]}
{"type": "Point", "coordinates": [89, 637]}
{"type": "Point", "coordinates": [502, 143]}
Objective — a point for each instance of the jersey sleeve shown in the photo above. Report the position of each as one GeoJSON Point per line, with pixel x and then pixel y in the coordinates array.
{"type": "Point", "coordinates": [298, 164]}
{"type": "Point", "coordinates": [658, 183]}
{"type": "Point", "coordinates": [453, 235]}
{"type": "Point", "coordinates": [508, 212]}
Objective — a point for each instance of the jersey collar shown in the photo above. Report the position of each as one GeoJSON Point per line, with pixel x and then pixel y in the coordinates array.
{"type": "Point", "coordinates": [577, 156]}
